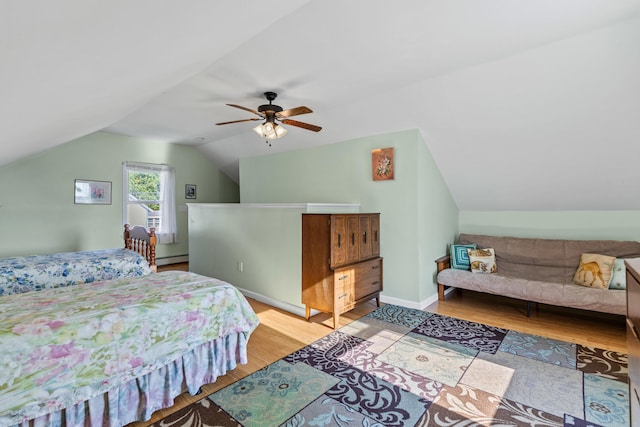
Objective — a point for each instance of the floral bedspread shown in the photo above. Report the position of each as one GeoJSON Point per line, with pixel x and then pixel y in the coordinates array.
{"type": "Point", "coordinates": [63, 346]}
{"type": "Point", "coordinates": [37, 272]}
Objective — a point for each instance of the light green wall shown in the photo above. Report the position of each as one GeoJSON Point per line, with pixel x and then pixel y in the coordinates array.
{"type": "Point", "coordinates": [341, 173]}
{"type": "Point", "coordinates": [609, 225]}
{"type": "Point", "coordinates": [438, 219]}
{"type": "Point", "coordinates": [266, 241]}
{"type": "Point", "coordinates": [264, 238]}
{"type": "Point", "coordinates": [37, 212]}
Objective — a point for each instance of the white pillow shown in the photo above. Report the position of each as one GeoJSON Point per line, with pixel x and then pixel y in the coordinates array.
{"type": "Point", "coordinates": [482, 260]}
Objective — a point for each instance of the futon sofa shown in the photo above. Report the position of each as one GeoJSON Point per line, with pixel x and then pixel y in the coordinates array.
{"type": "Point", "coordinates": [539, 270]}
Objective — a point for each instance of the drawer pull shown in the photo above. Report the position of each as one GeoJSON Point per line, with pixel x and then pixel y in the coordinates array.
{"type": "Point", "coordinates": [343, 277]}
{"type": "Point", "coordinates": [342, 296]}
{"type": "Point", "coordinates": [339, 240]}
{"type": "Point", "coordinates": [633, 329]}
{"type": "Point", "coordinates": [375, 267]}
{"type": "Point", "coordinates": [375, 283]}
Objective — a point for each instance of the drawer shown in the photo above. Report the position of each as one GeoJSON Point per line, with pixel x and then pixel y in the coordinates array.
{"type": "Point", "coordinates": [343, 276]}
{"type": "Point", "coordinates": [633, 298]}
{"type": "Point", "coordinates": [344, 298]}
{"type": "Point", "coordinates": [367, 278]}
{"type": "Point", "coordinates": [634, 403]}
{"type": "Point", "coordinates": [633, 346]}
{"type": "Point", "coordinates": [367, 287]}
{"type": "Point", "coordinates": [363, 270]}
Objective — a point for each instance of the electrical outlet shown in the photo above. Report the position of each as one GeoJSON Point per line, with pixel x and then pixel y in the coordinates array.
{"type": "Point", "coordinates": [240, 266]}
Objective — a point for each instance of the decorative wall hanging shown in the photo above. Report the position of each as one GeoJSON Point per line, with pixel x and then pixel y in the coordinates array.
{"type": "Point", "coordinates": [88, 192]}
{"type": "Point", "coordinates": [382, 164]}
{"type": "Point", "coordinates": [189, 191]}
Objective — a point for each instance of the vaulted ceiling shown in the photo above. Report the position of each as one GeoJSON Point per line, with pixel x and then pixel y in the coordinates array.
{"type": "Point", "coordinates": [525, 105]}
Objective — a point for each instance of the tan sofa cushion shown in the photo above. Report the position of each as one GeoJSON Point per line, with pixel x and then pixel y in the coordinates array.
{"type": "Point", "coordinates": [604, 300]}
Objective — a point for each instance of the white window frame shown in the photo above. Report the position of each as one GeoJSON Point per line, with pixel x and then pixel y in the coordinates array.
{"type": "Point", "coordinates": [167, 231]}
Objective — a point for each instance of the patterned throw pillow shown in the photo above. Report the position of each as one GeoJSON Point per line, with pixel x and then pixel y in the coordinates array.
{"type": "Point", "coordinates": [619, 275]}
{"type": "Point", "coordinates": [458, 256]}
{"type": "Point", "coordinates": [594, 271]}
{"type": "Point", "coordinates": [482, 260]}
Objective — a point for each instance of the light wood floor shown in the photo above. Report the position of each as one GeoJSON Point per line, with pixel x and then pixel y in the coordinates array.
{"type": "Point", "coordinates": [281, 333]}
{"type": "Point", "coordinates": [578, 326]}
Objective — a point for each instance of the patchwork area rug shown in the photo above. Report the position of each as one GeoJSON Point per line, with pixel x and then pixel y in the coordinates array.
{"type": "Point", "coordinates": [404, 367]}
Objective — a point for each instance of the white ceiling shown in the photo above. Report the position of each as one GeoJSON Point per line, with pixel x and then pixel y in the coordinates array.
{"type": "Point", "coordinates": [525, 105]}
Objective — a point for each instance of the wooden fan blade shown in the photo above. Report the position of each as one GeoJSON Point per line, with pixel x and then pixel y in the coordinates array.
{"type": "Point", "coordinates": [239, 121]}
{"type": "Point", "coordinates": [306, 126]}
{"type": "Point", "coordinates": [246, 109]}
{"type": "Point", "coordinates": [294, 112]}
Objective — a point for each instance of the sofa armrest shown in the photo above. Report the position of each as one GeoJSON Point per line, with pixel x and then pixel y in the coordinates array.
{"type": "Point", "coordinates": [442, 263]}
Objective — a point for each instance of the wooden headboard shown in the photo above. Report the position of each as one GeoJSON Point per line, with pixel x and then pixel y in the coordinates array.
{"type": "Point", "coordinates": [140, 240]}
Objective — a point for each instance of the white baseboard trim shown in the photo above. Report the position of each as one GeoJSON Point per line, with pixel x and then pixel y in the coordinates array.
{"type": "Point", "coordinates": [409, 304]}
{"type": "Point", "coordinates": [293, 309]}
{"type": "Point", "coordinates": [172, 260]}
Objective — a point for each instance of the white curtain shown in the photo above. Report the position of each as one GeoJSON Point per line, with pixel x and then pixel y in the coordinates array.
{"type": "Point", "coordinates": [168, 230]}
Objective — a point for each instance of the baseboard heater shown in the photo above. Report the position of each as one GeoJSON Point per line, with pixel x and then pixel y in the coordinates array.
{"type": "Point", "coordinates": [172, 259]}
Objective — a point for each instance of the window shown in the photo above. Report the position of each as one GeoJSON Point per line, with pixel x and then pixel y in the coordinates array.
{"type": "Point", "coordinates": [149, 198]}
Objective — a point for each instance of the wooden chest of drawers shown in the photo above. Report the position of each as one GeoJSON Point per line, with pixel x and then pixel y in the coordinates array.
{"type": "Point", "coordinates": [633, 337]}
{"type": "Point", "coordinates": [341, 263]}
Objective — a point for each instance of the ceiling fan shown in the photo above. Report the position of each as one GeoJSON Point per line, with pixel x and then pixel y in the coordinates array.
{"type": "Point", "coordinates": [270, 113]}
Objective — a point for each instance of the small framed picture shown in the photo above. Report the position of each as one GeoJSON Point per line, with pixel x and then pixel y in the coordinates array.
{"type": "Point", "coordinates": [189, 191]}
{"type": "Point", "coordinates": [382, 164]}
{"type": "Point", "coordinates": [88, 192]}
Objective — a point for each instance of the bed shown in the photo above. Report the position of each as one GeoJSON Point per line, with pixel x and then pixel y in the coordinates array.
{"type": "Point", "coordinates": [143, 242]}
{"type": "Point", "coordinates": [113, 352]}
{"type": "Point", "coordinates": [37, 272]}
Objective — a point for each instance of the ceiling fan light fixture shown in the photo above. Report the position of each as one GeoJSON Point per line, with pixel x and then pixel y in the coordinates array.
{"type": "Point", "coordinates": [270, 130]}
{"type": "Point", "coordinates": [280, 131]}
